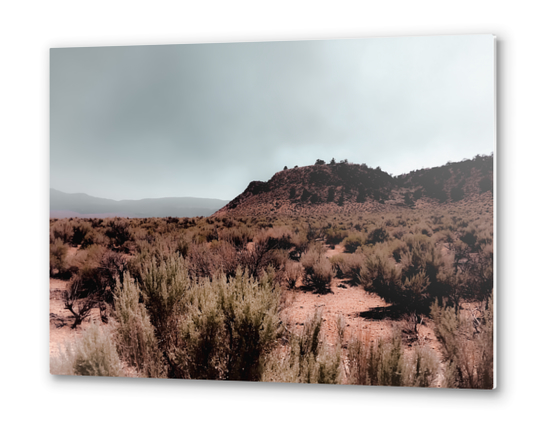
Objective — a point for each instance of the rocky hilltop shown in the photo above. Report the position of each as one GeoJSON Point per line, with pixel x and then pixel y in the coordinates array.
{"type": "Point", "coordinates": [348, 187]}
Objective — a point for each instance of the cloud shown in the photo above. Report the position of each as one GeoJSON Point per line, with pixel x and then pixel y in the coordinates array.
{"type": "Point", "coordinates": [204, 120]}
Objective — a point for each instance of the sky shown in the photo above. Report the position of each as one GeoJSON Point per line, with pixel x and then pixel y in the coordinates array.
{"type": "Point", "coordinates": [204, 120]}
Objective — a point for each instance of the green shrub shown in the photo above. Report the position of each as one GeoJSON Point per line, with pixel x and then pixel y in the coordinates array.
{"type": "Point", "coordinates": [424, 257]}
{"type": "Point", "coordinates": [308, 358]}
{"type": "Point", "coordinates": [377, 235]}
{"type": "Point", "coordinates": [134, 332]}
{"type": "Point", "coordinates": [228, 327]}
{"type": "Point", "coordinates": [81, 230]}
{"type": "Point", "coordinates": [468, 345]}
{"type": "Point", "coordinates": [252, 322]}
{"type": "Point", "coordinates": [58, 252]}
{"type": "Point", "coordinates": [380, 275]}
{"type": "Point", "coordinates": [348, 266]}
{"type": "Point", "coordinates": [203, 353]}
{"type": "Point", "coordinates": [385, 363]}
{"type": "Point", "coordinates": [257, 258]}
{"type": "Point", "coordinates": [293, 273]}
{"type": "Point", "coordinates": [94, 354]}
{"type": "Point", "coordinates": [61, 230]}
{"type": "Point", "coordinates": [318, 271]}
{"type": "Point", "coordinates": [390, 357]}
{"type": "Point", "coordinates": [96, 270]}
{"type": "Point", "coordinates": [421, 368]}
{"type": "Point", "coordinates": [237, 236]}
{"type": "Point", "coordinates": [352, 242]}
{"type": "Point", "coordinates": [164, 286]}
{"type": "Point", "coordinates": [335, 235]}
{"type": "Point", "coordinates": [94, 237]}
{"type": "Point", "coordinates": [119, 233]}
{"type": "Point", "coordinates": [202, 263]}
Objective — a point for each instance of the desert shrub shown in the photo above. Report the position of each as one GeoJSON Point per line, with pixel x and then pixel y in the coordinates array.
{"type": "Point", "coordinates": [415, 283]}
{"type": "Point", "coordinates": [380, 275]}
{"type": "Point", "coordinates": [470, 276]}
{"type": "Point", "coordinates": [348, 266]}
{"type": "Point", "coordinates": [94, 354]}
{"type": "Point", "coordinates": [357, 357]}
{"type": "Point", "coordinates": [385, 363]}
{"type": "Point", "coordinates": [456, 281]}
{"type": "Point", "coordinates": [97, 271]}
{"type": "Point", "coordinates": [94, 237]}
{"type": "Point", "coordinates": [201, 261]}
{"type": "Point", "coordinates": [251, 318]}
{"type": "Point", "coordinates": [181, 246]}
{"type": "Point", "coordinates": [222, 257]}
{"type": "Point", "coordinates": [299, 240]}
{"type": "Point", "coordinates": [421, 368]}
{"type": "Point", "coordinates": [318, 271]}
{"type": "Point", "coordinates": [377, 235]}
{"type": "Point", "coordinates": [377, 363]}
{"type": "Point", "coordinates": [111, 268]}
{"type": "Point", "coordinates": [61, 230]}
{"type": "Point", "coordinates": [202, 332]}
{"type": "Point", "coordinates": [163, 287]}
{"type": "Point", "coordinates": [58, 251]}
{"type": "Point", "coordinates": [308, 358]}
{"type": "Point", "coordinates": [445, 236]}
{"type": "Point", "coordinates": [423, 229]}
{"type": "Point", "coordinates": [396, 246]}
{"type": "Point", "coordinates": [468, 236]}
{"type": "Point", "coordinates": [352, 242]}
{"type": "Point", "coordinates": [424, 257]}
{"type": "Point", "coordinates": [276, 238]}
{"type": "Point", "coordinates": [134, 333]}
{"type": "Point", "coordinates": [228, 327]}
{"type": "Point", "coordinates": [119, 234]}
{"type": "Point", "coordinates": [337, 262]}
{"type": "Point", "coordinates": [237, 236]}
{"type": "Point", "coordinates": [78, 302]}
{"type": "Point", "coordinates": [389, 357]}
{"type": "Point", "coordinates": [256, 259]}
{"type": "Point", "coordinates": [81, 230]}
{"type": "Point", "coordinates": [398, 233]}
{"type": "Point", "coordinates": [467, 340]}
{"type": "Point", "coordinates": [482, 273]}
{"type": "Point", "coordinates": [335, 235]}
{"type": "Point", "coordinates": [293, 272]}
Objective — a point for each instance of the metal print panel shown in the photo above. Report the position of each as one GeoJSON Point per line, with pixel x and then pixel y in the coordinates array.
{"type": "Point", "coordinates": [300, 212]}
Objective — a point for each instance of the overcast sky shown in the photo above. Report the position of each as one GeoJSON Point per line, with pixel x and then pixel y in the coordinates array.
{"type": "Point", "coordinates": [204, 120]}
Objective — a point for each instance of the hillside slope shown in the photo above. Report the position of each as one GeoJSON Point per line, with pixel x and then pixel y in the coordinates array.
{"type": "Point", "coordinates": [347, 187]}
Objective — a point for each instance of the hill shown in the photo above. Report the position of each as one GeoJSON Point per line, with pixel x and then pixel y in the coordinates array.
{"type": "Point", "coordinates": [64, 205]}
{"type": "Point", "coordinates": [335, 187]}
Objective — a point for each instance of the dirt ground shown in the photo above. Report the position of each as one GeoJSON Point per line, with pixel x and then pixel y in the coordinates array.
{"type": "Point", "coordinates": [61, 320]}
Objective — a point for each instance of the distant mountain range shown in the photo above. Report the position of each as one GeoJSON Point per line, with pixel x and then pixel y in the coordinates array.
{"type": "Point", "coordinates": [64, 205]}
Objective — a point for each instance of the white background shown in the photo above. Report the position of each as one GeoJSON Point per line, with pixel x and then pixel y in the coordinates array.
{"type": "Point", "coordinates": [29, 29]}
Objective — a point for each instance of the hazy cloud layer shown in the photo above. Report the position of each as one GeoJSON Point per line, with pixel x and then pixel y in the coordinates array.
{"type": "Point", "coordinates": [204, 120]}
